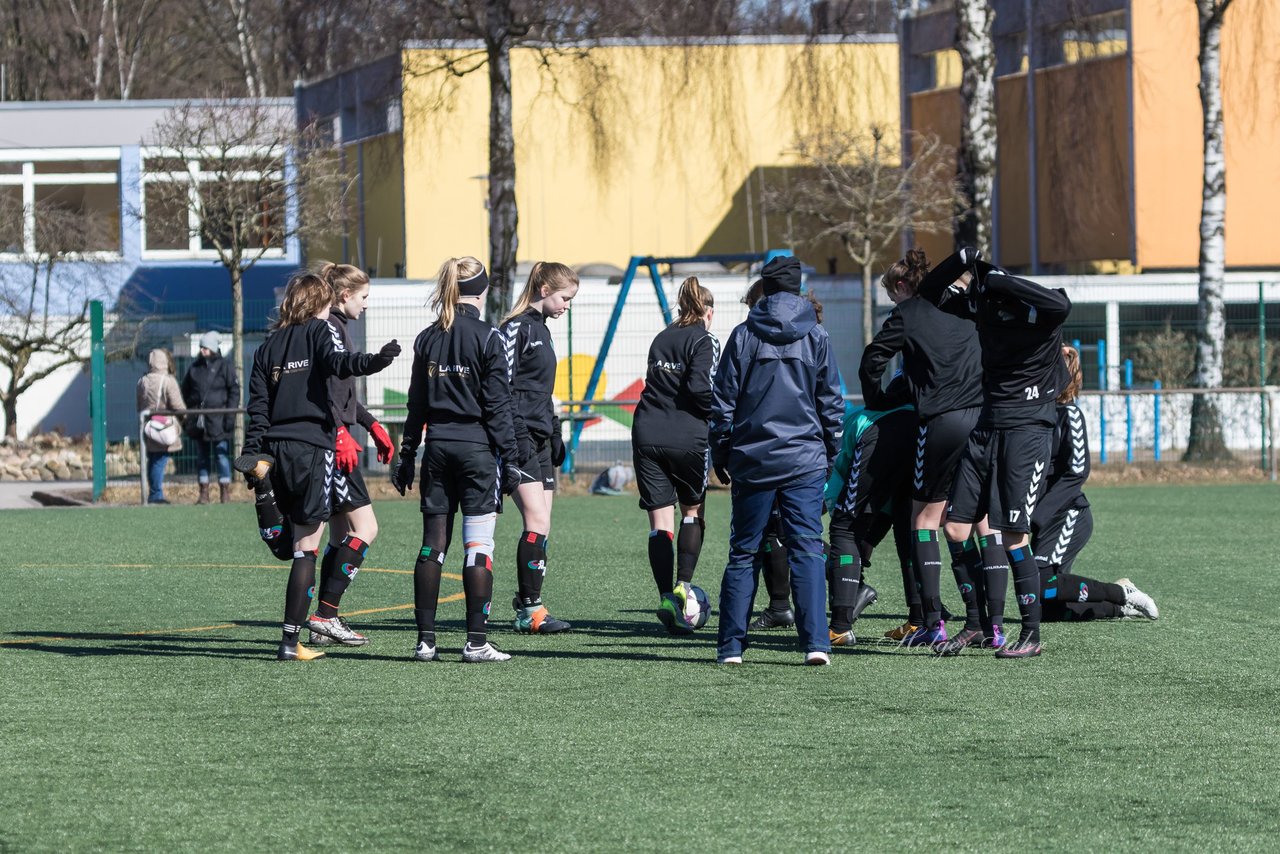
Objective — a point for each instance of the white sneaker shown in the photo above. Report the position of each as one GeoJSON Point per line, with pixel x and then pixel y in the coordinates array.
{"type": "Point", "coordinates": [425, 652]}
{"type": "Point", "coordinates": [730, 659]}
{"type": "Point", "coordinates": [483, 654]}
{"type": "Point", "coordinates": [337, 629]}
{"type": "Point", "coordinates": [817, 658]}
{"type": "Point", "coordinates": [1139, 601]}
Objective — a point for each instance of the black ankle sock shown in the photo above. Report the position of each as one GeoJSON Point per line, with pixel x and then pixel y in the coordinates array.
{"type": "Point", "coordinates": [531, 567]}
{"type": "Point", "coordinates": [477, 584]}
{"type": "Point", "coordinates": [995, 576]}
{"type": "Point", "coordinates": [661, 560]}
{"type": "Point", "coordinates": [927, 559]}
{"type": "Point", "coordinates": [337, 572]}
{"type": "Point", "coordinates": [777, 574]}
{"type": "Point", "coordinates": [298, 593]}
{"type": "Point", "coordinates": [966, 566]}
{"type": "Point", "coordinates": [688, 547]}
{"type": "Point", "coordinates": [426, 592]}
{"type": "Point", "coordinates": [1026, 585]}
{"type": "Point", "coordinates": [845, 574]}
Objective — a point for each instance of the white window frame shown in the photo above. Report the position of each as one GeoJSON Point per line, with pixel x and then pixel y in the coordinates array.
{"type": "Point", "coordinates": [193, 176]}
{"type": "Point", "coordinates": [29, 179]}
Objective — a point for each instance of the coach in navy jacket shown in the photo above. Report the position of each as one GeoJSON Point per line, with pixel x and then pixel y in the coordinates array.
{"type": "Point", "coordinates": [775, 428]}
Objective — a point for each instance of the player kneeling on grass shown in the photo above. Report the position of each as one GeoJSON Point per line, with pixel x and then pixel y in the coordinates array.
{"type": "Point", "coordinates": [669, 446]}
{"type": "Point", "coordinates": [291, 433]}
{"type": "Point", "coordinates": [1063, 523]}
{"type": "Point", "coordinates": [775, 429]}
{"type": "Point", "coordinates": [459, 392]}
{"type": "Point", "coordinates": [873, 470]}
{"type": "Point", "coordinates": [1004, 464]}
{"type": "Point", "coordinates": [352, 527]}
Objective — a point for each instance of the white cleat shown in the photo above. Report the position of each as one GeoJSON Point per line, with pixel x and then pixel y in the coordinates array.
{"type": "Point", "coordinates": [483, 654]}
{"type": "Point", "coordinates": [425, 652]}
{"type": "Point", "coordinates": [817, 658]}
{"type": "Point", "coordinates": [1140, 602]}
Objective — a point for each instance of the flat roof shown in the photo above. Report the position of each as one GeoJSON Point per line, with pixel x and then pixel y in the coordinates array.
{"type": "Point", "coordinates": [81, 124]}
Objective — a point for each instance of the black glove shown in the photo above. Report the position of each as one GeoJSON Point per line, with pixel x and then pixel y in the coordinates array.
{"type": "Point", "coordinates": [402, 475]}
{"type": "Point", "coordinates": [722, 475]}
{"type": "Point", "coordinates": [387, 354]}
{"type": "Point", "coordinates": [524, 449]}
{"type": "Point", "coordinates": [511, 476]}
{"type": "Point", "coordinates": [557, 449]}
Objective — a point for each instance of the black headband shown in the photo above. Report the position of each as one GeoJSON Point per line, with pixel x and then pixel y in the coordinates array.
{"type": "Point", "coordinates": [474, 286]}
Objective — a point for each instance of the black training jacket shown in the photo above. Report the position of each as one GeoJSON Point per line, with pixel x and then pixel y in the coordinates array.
{"type": "Point", "coordinates": [289, 385]}
{"type": "Point", "coordinates": [343, 402]}
{"type": "Point", "coordinates": [1020, 332]}
{"type": "Point", "coordinates": [211, 383]}
{"type": "Point", "coordinates": [459, 389]}
{"type": "Point", "coordinates": [1068, 468]}
{"type": "Point", "coordinates": [531, 368]}
{"type": "Point", "coordinates": [941, 360]}
{"type": "Point", "coordinates": [676, 401]}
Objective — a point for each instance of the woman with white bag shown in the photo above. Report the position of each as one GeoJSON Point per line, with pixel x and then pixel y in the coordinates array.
{"type": "Point", "coordinates": [158, 390]}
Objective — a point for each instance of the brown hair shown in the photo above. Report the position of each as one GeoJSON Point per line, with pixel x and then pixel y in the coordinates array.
{"type": "Point", "coordinates": [548, 274]}
{"type": "Point", "coordinates": [305, 296]}
{"type": "Point", "coordinates": [816, 303]}
{"type": "Point", "coordinates": [694, 302]}
{"type": "Point", "coordinates": [445, 299]}
{"type": "Point", "coordinates": [1075, 375]}
{"type": "Point", "coordinates": [343, 278]}
{"type": "Point", "coordinates": [910, 271]}
{"type": "Point", "coordinates": [754, 294]}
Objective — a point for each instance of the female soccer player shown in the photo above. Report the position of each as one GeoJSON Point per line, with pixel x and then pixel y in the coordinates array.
{"type": "Point", "coordinates": [1002, 472]}
{"type": "Point", "coordinates": [1062, 523]}
{"type": "Point", "coordinates": [941, 362]}
{"type": "Point", "coordinates": [292, 434]}
{"type": "Point", "coordinates": [531, 367]}
{"type": "Point", "coordinates": [459, 392]}
{"type": "Point", "coordinates": [775, 430]}
{"type": "Point", "coordinates": [352, 527]}
{"type": "Point", "coordinates": [669, 447]}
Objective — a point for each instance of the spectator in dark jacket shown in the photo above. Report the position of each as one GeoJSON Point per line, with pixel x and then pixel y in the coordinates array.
{"type": "Point", "coordinates": [211, 383]}
{"type": "Point", "coordinates": [775, 429]}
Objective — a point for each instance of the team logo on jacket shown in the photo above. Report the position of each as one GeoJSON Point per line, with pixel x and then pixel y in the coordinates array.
{"type": "Point", "coordinates": [275, 375]}
{"type": "Point", "coordinates": [435, 369]}
{"type": "Point", "coordinates": [670, 367]}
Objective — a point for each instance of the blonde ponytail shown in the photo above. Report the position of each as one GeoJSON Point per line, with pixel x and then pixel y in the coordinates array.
{"type": "Point", "coordinates": [694, 301]}
{"type": "Point", "coordinates": [445, 299]}
{"type": "Point", "coordinates": [342, 278]}
{"type": "Point", "coordinates": [552, 275]}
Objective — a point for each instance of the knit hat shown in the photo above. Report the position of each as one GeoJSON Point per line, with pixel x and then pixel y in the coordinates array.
{"type": "Point", "coordinates": [781, 274]}
{"type": "Point", "coordinates": [210, 341]}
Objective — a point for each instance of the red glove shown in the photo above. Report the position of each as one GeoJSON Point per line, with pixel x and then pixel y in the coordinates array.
{"type": "Point", "coordinates": [348, 451]}
{"type": "Point", "coordinates": [380, 438]}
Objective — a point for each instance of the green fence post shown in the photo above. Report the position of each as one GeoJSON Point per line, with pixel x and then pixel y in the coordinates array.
{"type": "Point", "coordinates": [98, 399]}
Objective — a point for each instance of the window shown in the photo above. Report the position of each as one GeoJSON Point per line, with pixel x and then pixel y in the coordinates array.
{"type": "Point", "coordinates": [1094, 37]}
{"type": "Point", "coordinates": [63, 200]}
{"type": "Point", "coordinates": [77, 218]}
{"type": "Point", "coordinates": [10, 219]}
{"type": "Point", "coordinates": [164, 224]}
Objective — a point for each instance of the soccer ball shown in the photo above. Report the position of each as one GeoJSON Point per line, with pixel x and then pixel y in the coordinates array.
{"type": "Point", "coordinates": [697, 608]}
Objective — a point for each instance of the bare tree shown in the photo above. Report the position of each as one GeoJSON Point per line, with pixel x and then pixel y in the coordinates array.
{"type": "Point", "coordinates": [852, 188]}
{"type": "Point", "coordinates": [44, 318]}
{"type": "Point", "coordinates": [1206, 441]}
{"type": "Point", "coordinates": [243, 182]}
{"type": "Point", "coordinates": [974, 41]}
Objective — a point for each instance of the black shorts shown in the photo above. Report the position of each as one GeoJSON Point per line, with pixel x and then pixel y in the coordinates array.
{"type": "Point", "coordinates": [667, 475]}
{"type": "Point", "coordinates": [302, 479]}
{"type": "Point", "coordinates": [1057, 543]}
{"type": "Point", "coordinates": [1001, 476]}
{"type": "Point", "coordinates": [459, 474]}
{"type": "Point", "coordinates": [940, 443]}
{"type": "Point", "coordinates": [348, 491]}
{"type": "Point", "coordinates": [539, 467]}
{"type": "Point", "coordinates": [880, 466]}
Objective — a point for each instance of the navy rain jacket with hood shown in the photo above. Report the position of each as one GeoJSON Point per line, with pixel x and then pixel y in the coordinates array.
{"type": "Point", "coordinates": [778, 412]}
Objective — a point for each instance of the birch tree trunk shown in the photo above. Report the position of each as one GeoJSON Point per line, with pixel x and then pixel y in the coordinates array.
{"type": "Point", "coordinates": [1206, 440]}
{"type": "Point", "coordinates": [977, 153]}
{"type": "Point", "coordinates": [503, 214]}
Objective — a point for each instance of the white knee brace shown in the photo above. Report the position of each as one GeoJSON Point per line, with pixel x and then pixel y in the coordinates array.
{"type": "Point", "coordinates": [477, 535]}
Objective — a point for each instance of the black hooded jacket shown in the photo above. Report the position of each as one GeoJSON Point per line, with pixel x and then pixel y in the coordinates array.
{"type": "Point", "coordinates": [345, 405]}
{"type": "Point", "coordinates": [210, 383]}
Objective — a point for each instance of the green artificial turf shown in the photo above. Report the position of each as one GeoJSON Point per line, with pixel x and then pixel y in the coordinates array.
{"type": "Point", "coordinates": [616, 737]}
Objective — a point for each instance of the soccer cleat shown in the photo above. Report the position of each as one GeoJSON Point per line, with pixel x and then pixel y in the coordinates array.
{"type": "Point", "coordinates": [425, 652]}
{"type": "Point", "coordinates": [966, 638]}
{"type": "Point", "coordinates": [1019, 649]}
{"type": "Point", "coordinates": [317, 639]}
{"type": "Point", "coordinates": [866, 598]}
{"type": "Point", "coordinates": [671, 614]}
{"type": "Point", "coordinates": [730, 659]}
{"type": "Point", "coordinates": [926, 636]}
{"type": "Point", "coordinates": [689, 603]}
{"type": "Point", "coordinates": [535, 619]}
{"type": "Point", "coordinates": [1138, 601]}
{"type": "Point", "coordinates": [337, 629]}
{"type": "Point", "coordinates": [817, 658]}
{"type": "Point", "coordinates": [842, 638]}
{"type": "Point", "coordinates": [296, 652]}
{"type": "Point", "coordinates": [773, 619]}
{"type": "Point", "coordinates": [254, 466]}
{"type": "Point", "coordinates": [996, 640]}
{"type": "Point", "coordinates": [901, 631]}
{"type": "Point", "coordinates": [485, 653]}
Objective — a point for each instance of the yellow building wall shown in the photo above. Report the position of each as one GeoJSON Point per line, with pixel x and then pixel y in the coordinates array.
{"type": "Point", "coordinates": [1168, 141]}
{"type": "Point", "coordinates": [688, 135]}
